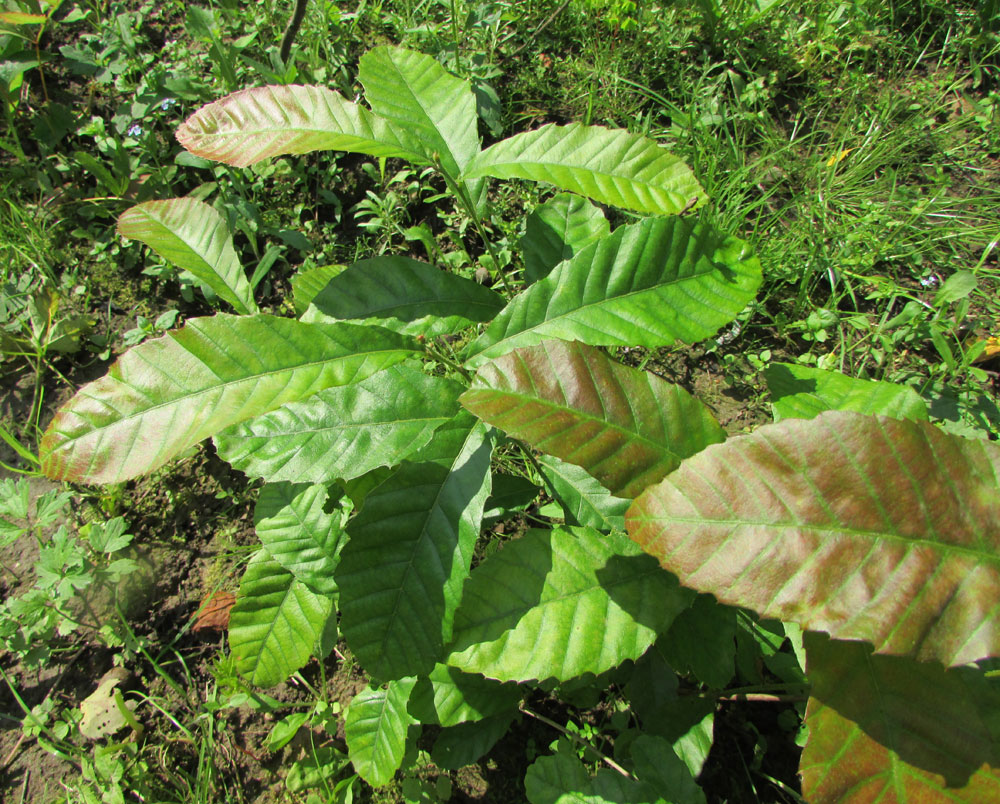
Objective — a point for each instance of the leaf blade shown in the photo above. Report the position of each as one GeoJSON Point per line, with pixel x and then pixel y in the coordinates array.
{"type": "Point", "coordinates": [375, 729]}
{"type": "Point", "coordinates": [846, 524]}
{"type": "Point", "coordinates": [193, 236]}
{"type": "Point", "coordinates": [627, 428]}
{"type": "Point", "coordinates": [611, 166]}
{"type": "Point", "coordinates": [648, 284]}
{"type": "Point", "coordinates": [561, 603]}
{"type": "Point", "coordinates": [170, 393]}
{"type": "Point", "coordinates": [345, 431]}
{"type": "Point", "coordinates": [248, 126]}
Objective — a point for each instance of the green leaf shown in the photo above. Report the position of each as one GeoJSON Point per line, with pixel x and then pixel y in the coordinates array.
{"type": "Point", "coordinates": [193, 236]}
{"type": "Point", "coordinates": [662, 770]}
{"type": "Point", "coordinates": [561, 603]}
{"type": "Point", "coordinates": [627, 428]}
{"type": "Point", "coordinates": [308, 283]}
{"type": "Point", "coordinates": [585, 501]}
{"type": "Point", "coordinates": [648, 284]}
{"type": "Point", "coordinates": [448, 696]}
{"type": "Point", "coordinates": [343, 432]}
{"type": "Point", "coordinates": [888, 729]}
{"type": "Point", "coordinates": [375, 730]}
{"type": "Point", "coordinates": [300, 535]}
{"type": "Point", "coordinates": [462, 744]}
{"type": "Point", "coordinates": [611, 166]}
{"type": "Point", "coordinates": [168, 394]}
{"type": "Point", "coordinates": [253, 124]}
{"type": "Point", "coordinates": [556, 230]}
{"type": "Point", "coordinates": [562, 779]}
{"type": "Point", "coordinates": [406, 296]}
{"type": "Point", "coordinates": [702, 641]}
{"type": "Point", "coordinates": [802, 392]}
{"type": "Point", "coordinates": [510, 493]}
{"type": "Point", "coordinates": [275, 623]}
{"type": "Point", "coordinates": [417, 96]}
{"type": "Point", "coordinates": [866, 528]}
{"type": "Point", "coordinates": [410, 549]}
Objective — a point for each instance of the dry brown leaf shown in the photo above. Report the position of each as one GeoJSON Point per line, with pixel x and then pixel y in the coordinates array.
{"type": "Point", "coordinates": [213, 614]}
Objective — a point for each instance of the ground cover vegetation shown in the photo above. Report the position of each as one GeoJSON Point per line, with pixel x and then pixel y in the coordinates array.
{"type": "Point", "coordinates": [592, 401]}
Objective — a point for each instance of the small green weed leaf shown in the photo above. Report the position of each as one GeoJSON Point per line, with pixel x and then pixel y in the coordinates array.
{"type": "Point", "coordinates": [648, 284]}
{"type": "Point", "coordinates": [406, 296]}
{"type": "Point", "coordinates": [853, 525]}
{"type": "Point", "coordinates": [448, 696]}
{"type": "Point", "coordinates": [556, 230]}
{"type": "Point", "coordinates": [410, 549]}
{"type": "Point", "coordinates": [417, 96]}
{"type": "Point", "coordinates": [891, 730]}
{"type": "Point", "coordinates": [343, 432]}
{"type": "Point", "coordinates": [308, 283]}
{"type": "Point", "coordinates": [702, 641]}
{"type": "Point", "coordinates": [803, 392]}
{"type": "Point", "coordinates": [300, 535]}
{"type": "Point", "coordinates": [275, 622]}
{"type": "Point", "coordinates": [955, 288]}
{"type": "Point", "coordinates": [585, 501]}
{"type": "Point", "coordinates": [510, 493]}
{"type": "Point", "coordinates": [611, 166]}
{"type": "Point", "coordinates": [662, 770]}
{"type": "Point", "coordinates": [627, 428]}
{"type": "Point", "coordinates": [253, 124]}
{"type": "Point", "coordinates": [561, 603]}
{"type": "Point", "coordinates": [375, 729]}
{"type": "Point", "coordinates": [168, 394]}
{"type": "Point", "coordinates": [462, 744]}
{"type": "Point", "coordinates": [562, 779]}
{"type": "Point", "coordinates": [193, 236]}
{"type": "Point", "coordinates": [316, 769]}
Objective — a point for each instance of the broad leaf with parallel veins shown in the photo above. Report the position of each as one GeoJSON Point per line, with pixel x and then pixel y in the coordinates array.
{"type": "Point", "coordinates": [343, 432]}
{"type": "Point", "coordinates": [168, 394]}
{"type": "Point", "coordinates": [864, 527]}
{"type": "Point", "coordinates": [648, 284]}
{"type": "Point", "coordinates": [627, 428]}
{"type": "Point", "coordinates": [193, 236]}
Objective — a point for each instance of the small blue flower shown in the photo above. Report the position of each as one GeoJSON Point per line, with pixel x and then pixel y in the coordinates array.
{"type": "Point", "coordinates": [135, 130]}
{"type": "Point", "coordinates": [166, 103]}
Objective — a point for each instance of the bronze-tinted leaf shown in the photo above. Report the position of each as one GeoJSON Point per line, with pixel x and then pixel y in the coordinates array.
{"type": "Point", "coordinates": [627, 428]}
{"type": "Point", "coordinates": [867, 528]}
{"type": "Point", "coordinates": [891, 730]}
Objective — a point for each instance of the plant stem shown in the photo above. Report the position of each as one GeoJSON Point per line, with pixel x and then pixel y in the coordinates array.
{"type": "Point", "coordinates": [577, 739]}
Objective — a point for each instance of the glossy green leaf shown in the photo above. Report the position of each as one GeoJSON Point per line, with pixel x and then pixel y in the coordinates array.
{"type": "Point", "coordinates": [563, 779]}
{"type": "Point", "coordinates": [308, 283]}
{"type": "Point", "coordinates": [702, 641]}
{"type": "Point", "coordinates": [659, 768]}
{"type": "Point", "coordinates": [254, 124]}
{"type": "Point", "coordinates": [894, 731]}
{"type": "Point", "coordinates": [626, 427]}
{"type": "Point", "coordinates": [866, 528]}
{"type": "Point", "coordinates": [462, 744]}
{"type": "Point", "coordinates": [375, 730]}
{"type": "Point", "coordinates": [406, 296]}
{"type": "Point", "coordinates": [611, 166]}
{"type": "Point", "coordinates": [168, 394]}
{"type": "Point", "coordinates": [585, 501]}
{"type": "Point", "coordinates": [448, 696]}
{"type": "Point", "coordinates": [416, 95]}
{"type": "Point", "coordinates": [275, 623]}
{"type": "Point", "coordinates": [410, 549]}
{"type": "Point", "coordinates": [343, 432]}
{"type": "Point", "coordinates": [556, 230]}
{"type": "Point", "coordinates": [193, 236]}
{"type": "Point", "coordinates": [647, 284]}
{"type": "Point", "coordinates": [803, 392]}
{"type": "Point", "coordinates": [510, 494]}
{"type": "Point", "coordinates": [561, 603]}
{"type": "Point", "coordinates": [298, 532]}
